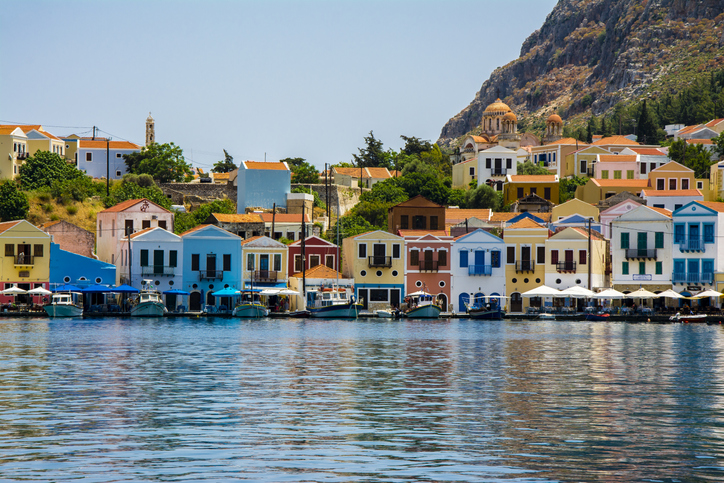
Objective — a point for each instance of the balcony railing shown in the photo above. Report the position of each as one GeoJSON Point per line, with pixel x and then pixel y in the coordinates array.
{"type": "Point", "coordinates": [525, 266]}
{"type": "Point", "coordinates": [690, 244]}
{"type": "Point", "coordinates": [566, 266]}
{"type": "Point", "coordinates": [428, 265]}
{"type": "Point", "coordinates": [211, 275]}
{"type": "Point", "coordinates": [480, 269]}
{"type": "Point", "coordinates": [158, 270]}
{"type": "Point", "coordinates": [265, 276]}
{"type": "Point", "coordinates": [24, 260]}
{"type": "Point", "coordinates": [692, 278]}
{"type": "Point", "coordinates": [376, 261]}
{"type": "Point", "coordinates": [650, 253]}
{"type": "Point", "coordinates": [499, 172]}
{"type": "Point", "coordinates": [22, 156]}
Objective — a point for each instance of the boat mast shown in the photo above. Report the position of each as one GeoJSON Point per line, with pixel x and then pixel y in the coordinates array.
{"type": "Point", "coordinates": [337, 270]}
{"type": "Point", "coordinates": [304, 261]}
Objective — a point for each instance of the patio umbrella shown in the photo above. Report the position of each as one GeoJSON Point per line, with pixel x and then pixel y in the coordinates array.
{"type": "Point", "coordinates": [288, 291]}
{"type": "Point", "coordinates": [576, 291]}
{"type": "Point", "coordinates": [39, 291]}
{"type": "Point", "coordinates": [641, 293]}
{"type": "Point", "coordinates": [670, 294]}
{"type": "Point", "coordinates": [609, 294]}
{"type": "Point", "coordinates": [67, 288]}
{"type": "Point", "coordinates": [270, 291]}
{"type": "Point", "coordinates": [97, 289]}
{"type": "Point", "coordinates": [14, 290]}
{"type": "Point", "coordinates": [542, 291]}
{"type": "Point", "coordinates": [226, 292]}
{"type": "Point", "coordinates": [124, 289]}
{"type": "Point", "coordinates": [707, 293]}
{"type": "Point", "coordinates": [175, 291]}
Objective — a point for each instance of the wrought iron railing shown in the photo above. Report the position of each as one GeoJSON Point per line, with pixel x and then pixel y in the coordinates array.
{"type": "Point", "coordinates": [641, 253]}
{"type": "Point", "coordinates": [158, 270]}
{"type": "Point", "coordinates": [480, 269]}
{"type": "Point", "coordinates": [525, 266]}
{"type": "Point", "coordinates": [378, 261]}
{"type": "Point", "coordinates": [566, 266]}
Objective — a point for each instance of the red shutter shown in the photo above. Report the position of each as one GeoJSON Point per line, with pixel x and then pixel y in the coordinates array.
{"type": "Point", "coordinates": [582, 256]}
{"type": "Point", "coordinates": [554, 257]}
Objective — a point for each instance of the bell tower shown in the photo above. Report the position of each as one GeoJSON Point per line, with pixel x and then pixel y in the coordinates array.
{"type": "Point", "coordinates": [150, 130]}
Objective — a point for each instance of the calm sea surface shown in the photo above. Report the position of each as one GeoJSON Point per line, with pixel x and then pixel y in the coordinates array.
{"type": "Point", "coordinates": [370, 400]}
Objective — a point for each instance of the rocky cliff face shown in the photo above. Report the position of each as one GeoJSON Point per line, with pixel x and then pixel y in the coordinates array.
{"type": "Point", "coordinates": [591, 54]}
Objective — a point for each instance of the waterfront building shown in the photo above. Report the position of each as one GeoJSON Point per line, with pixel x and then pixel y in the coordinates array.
{"type": "Point", "coordinates": [116, 222]}
{"type": "Point", "coordinates": [569, 261]}
{"type": "Point", "coordinates": [317, 252]}
{"type": "Point", "coordinates": [617, 166]}
{"type": "Point", "coordinates": [315, 279]}
{"type": "Point", "coordinates": [524, 261]}
{"type": "Point", "coordinates": [25, 257]}
{"type": "Point", "coordinates": [211, 261]}
{"type": "Point", "coordinates": [616, 144]}
{"type": "Point", "coordinates": [262, 185]}
{"type": "Point", "coordinates": [597, 190]}
{"type": "Point", "coordinates": [641, 249]}
{"type": "Point", "coordinates": [671, 200]}
{"type": "Point", "coordinates": [67, 267]}
{"type": "Point", "coordinates": [151, 254]}
{"type": "Point", "coordinates": [70, 237]}
{"type": "Point", "coordinates": [698, 231]}
{"type": "Point", "coordinates": [428, 264]}
{"type": "Point", "coordinates": [376, 261]}
{"type": "Point", "coordinates": [494, 164]}
{"type": "Point", "coordinates": [352, 176]}
{"type": "Point", "coordinates": [573, 207]}
{"type": "Point", "coordinates": [417, 213]}
{"type": "Point", "coordinates": [520, 186]}
{"type": "Point", "coordinates": [648, 159]}
{"type": "Point", "coordinates": [477, 269]}
{"type": "Point", "coordinates": [265, 263]}
{"type": "Point", "coordinates": [553, 156]}
{"type": "Point", "coordinates": [582, 162]}
{"type": "Point", "coordinates": [609, 214]}
{"type": "Point", "coordinates": [100, 158]}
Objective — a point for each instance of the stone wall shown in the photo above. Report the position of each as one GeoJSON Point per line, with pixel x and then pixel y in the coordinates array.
{"type": "Point", "coordinates": [181, 193]}
{"type": "Point", "coordinates": [347, 196]}
{"type": "Point", "coordinates": [72, 238]}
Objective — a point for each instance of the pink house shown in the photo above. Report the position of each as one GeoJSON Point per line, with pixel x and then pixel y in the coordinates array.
{"type": "Point", "coordinates": [317, 251]}
{"type": "Point", "coordinates": [428, 266]}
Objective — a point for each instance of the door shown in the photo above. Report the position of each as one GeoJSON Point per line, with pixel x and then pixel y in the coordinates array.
{"type": "Point", "coordinates": [516, 302]}
{"type": "Point", "coordinates": [694, 237]}
{"type": "Point", "coordinates": [568, 265]}
{"type": "Point", "coordinates": [395, 297]}
{"type": "Point", "coordinates": [428, 264]}
{"type": "Point", "coordinates": [693, 275]}
{"type": "Point", "coordinates": [379, 252]}
{"type": "Point", "coordinates": [363, 297]}
{"type": "Point", "coordinates": [463, 302]}
{"type": "Point", "coordinates": [210, 266]}
{"type": "Point", "coordinates": [195, 302]}
{"type": "Point", "coordinates": [525, 258]}
{"type": "Point", "coordinates": [498, 166]}
{"type": "Point", "coordinates": [479, 261]}
{"type": "Point", "coordinates": [442, 298]}
{"type": "Point", "coordinates": [641, 242]}
{"type": "Point", "coordinates": [158, 261]}
{"type": "Point", "coordinates": [264, 263]}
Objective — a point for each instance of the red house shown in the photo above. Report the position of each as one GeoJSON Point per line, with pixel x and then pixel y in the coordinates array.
{"type": "Point", "coordinates": [318, 252]}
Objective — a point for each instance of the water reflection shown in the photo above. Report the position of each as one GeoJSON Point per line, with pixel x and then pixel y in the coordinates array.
{"type": "Point", "coordinates": [310, 400]}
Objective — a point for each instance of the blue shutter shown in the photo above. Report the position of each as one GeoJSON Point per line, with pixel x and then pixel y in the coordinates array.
{"type": "Point", "coordinates": [463, 259]}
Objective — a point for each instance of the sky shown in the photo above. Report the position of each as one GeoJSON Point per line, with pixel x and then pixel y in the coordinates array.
{"type": "Point", "coordinates": [265, 80]}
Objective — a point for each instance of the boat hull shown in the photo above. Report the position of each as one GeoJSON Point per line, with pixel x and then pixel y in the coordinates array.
{"type": "Point", "coordinates": [58, 310]}
{"type": "Point", "coordinates": [486, 314]}
{"type": "Point", "coordinates": [597, 317]}
{"type": "Point", "coordinates": [250, 311]}
{"type": "Point", "coordinates": [689, 319]}
{"type": "Point", "coordinates": [148, 309]}
{"type": "Point", "coordinates": [424, 312]}
{"type": "Point", "coordinates": [338, 311]}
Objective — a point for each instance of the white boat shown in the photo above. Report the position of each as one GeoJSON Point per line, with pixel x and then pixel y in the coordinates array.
{"type": "Point", "coordinates": [250, 306]}
{"type": "Point", "coordinates": [148, 303]}
{"type": "Point", "coordinates": [688, 318]}
{"type": "Point", "coordinates": [333, 303]}
{"type": "Point", "coordinates": [62, 305]}
{"type": "Point", "coordinates": [421, 305]}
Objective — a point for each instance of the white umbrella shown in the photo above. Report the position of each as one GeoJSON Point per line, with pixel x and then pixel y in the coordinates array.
{"type": "Point", "coordinates": [576, 291]}
{"type": "Point", "coordinates": [608, 294]}
{"type": "Point", "coordinates": [707, 293]}
{"type": "Point", "coordinates": [641, 293]}
{"type": "Point", "coordinates": [287, 291]}
{"type": "Point", "coordinates": [14, 290]}
{"type": "Point", "coordinates": [39, 291]}
{"type": "Point", "coordinates": [542, 291]}
{"type": "Point", "coordinates": [670, 294]}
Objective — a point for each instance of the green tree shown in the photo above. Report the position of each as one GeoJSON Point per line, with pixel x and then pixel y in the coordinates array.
{"type": "Point", "coordinates": [318, 203]}
{"type": "Point", "coordinates": [415, 146]}
{"type": "Point", "coordinates": [13, 202]}
{"type": "Point", "coordinates": [387, 191]}
{"type": "Point", "coordinates": [129, 189]}
{"type": "Point", "coordinates": [165, 162]}
{"type": "Point", "coordinates": [414, 164]}
{"type": "Point", "coordinates": [646, 129]}
{"type": "Point", "coordinates": [185, 221]}
{"type": "Point", "coordinates": [350, 225]}
{"type": "Point", "coordinates": [693, 156]}
{"type": "Point", "coordinates": [567, 187]}
{"type": "Point", "coordinates": [225, 166]}
{"type": "Point", "coordinates": [373, 155]}
{"type": "Point", "coordinates": [427, 185]}
{"type": "Point", "coordinates": [719, 143]}
{"type": "Point", "coordinates": [531, 169]}
{"type": "Point", "coordinates": [457, 197]}
{"type": "Point", "coordinates": [302, 171]}
{"type": "Point", "coordinates": [41, 169]}
{"type": "Point", "coordinates": [484, 197]}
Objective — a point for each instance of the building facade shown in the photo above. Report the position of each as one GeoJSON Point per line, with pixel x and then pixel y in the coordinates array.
{"type": "Point", "coordinates": [477, 270]}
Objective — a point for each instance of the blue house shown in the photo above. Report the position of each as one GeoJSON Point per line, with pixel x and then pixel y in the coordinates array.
{"type": "Point", "coordinates": [211, 262]}
{"type": "Point", "coordinates": [68, 267]}
{"type": "Point", "coordinates": [261, 185]}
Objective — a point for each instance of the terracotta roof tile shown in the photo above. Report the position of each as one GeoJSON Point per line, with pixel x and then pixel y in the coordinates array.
{"type": "Point", "coordinates": [663, 211]}
{"type": "Point", "coordinates": [714, 122]}
{"type": "Point", "coordinates": [240, 218]}
{"type": "Point", "coordinates": [418, 233]}
{"type": "Point", "coordinates": [616, 140]}
{"type": "Point", "coordinates": [251, 239]}
{"type": "Point", "coordinates": [141, 232]}
{"type": "Point", "coordinates": [124, 205]}
{"type": "Point", "coordinates": [699, 141]}
{"type": "Point", "coordinates": [623, 183]}
{"type": "Point", "coordinates": [525, 178]}
{"type": "Point", "coordinates": [221, 175]}
{"type": "Point", "coordinates": [651, 192]}
{"type": "Point", "coordinates": [319, 271]}
{"type": "Point", "coordinates": [714, 205]}
{"type": "Point", "coordinates": [648, 151]}
{"type": "Point", "coordinates": [4, 130]}
{"type": "Point", "coordinates": [525, 223]}
{"type": "Point", "coordinates": [111, 144]}
{"type": "Point", "coordinates": [568, 141]}
{"type": "Point", "coordinates": [502, 216]}
{"type": "Point", "coordinates": [7, 225]}
{"type": "Point", "coordinates": [455, 215]}
{"type": "Point", "coordinates": [617, 158]}
{"type": "Point", "coordinates": [274, 166]}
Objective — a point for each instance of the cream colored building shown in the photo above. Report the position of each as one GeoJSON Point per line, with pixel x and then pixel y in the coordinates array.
{"type": "Point", "coordinates": [13, 150]}
{"type": "Point", "coordinates": [568, 261]}
{"type": "Point", "coordinates": [525, 261]}
{"type": "Point", "coordinates": [574, 207]}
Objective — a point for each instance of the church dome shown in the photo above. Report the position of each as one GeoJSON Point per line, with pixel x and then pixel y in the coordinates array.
{"type": "Point", "coordinates": [555, 118]}
{"type": "Point", "coordinates": [497, 106]}
{"type": "Point", "coordinates": [510, 117]}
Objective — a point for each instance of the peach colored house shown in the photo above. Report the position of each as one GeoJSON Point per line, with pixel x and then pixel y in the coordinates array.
{"type": "Point", "coordinates": [616, 166]}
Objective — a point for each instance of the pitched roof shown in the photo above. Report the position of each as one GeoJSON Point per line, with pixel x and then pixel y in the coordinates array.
{"type": "Point", "coordinates": [367, 173]}
{"type": "Point", "coordinates": [663, 211]}
{"type": "Point", "coordinates": [221, 175]}
{"type": "Point", "coordinates": [689, 129]}
{"type": "Point", "coordinates": [111, 144]}
{"type": "Point", "coordinates": [141, 232]}
{"type": "Point", "coordinates": [8, 129]}
{"type": "Point", "coordinates": [532, 178]}
{"type": "Point", "coordinates": [617, 158]}
{"type": "Point", "coordinates": [525, 223]}
{"type": "Point", "coordinates": [623, 183]}
{"type": "Point", "coordinates": [378, 172]}
{"type": "Point", "coordinates": [238, 218]}
{"type": "Point", "coordinates": [648, 151]}
{"type": "Point", "coordinates": [714, 122]}
{"type": "Point", "coordinates": [421, 232]}
{"type": "Point", "coordinates": [251, 239]}
{"type": "Point", "coordinates": [284, 217]}
{"type": "Point", "coordinates": [124, 205]}
{"type": "Point", "coordinates": [319, 271]}
{"type": "Point", "coordinates": [455, 215]}
{"type": "Point", "coordinates": [649, 193]}
{"type": "Point", "coordinates": [196, 228]}
{"type": "Point", "coordinates": [699, 141]}
{"type": "Point", "coordinates": [568, 141]}
{"type": "Point", "coordinates": [616, 140]}
{"type": "Point", "coordinates": [585, 232]}
{"type": "Point", "coordinates": [275, 166]}
{"type": "Point", "coordinates": [7, 225]}
{"type": "Point", "coordinates": [714, 205]}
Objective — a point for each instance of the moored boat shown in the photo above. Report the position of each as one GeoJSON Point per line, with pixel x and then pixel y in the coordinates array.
{"type": "Point", "coordinates": [421, 305]}
{"type": "Point", "coordinates": [484, 312]}
{"type": "Point", "coordinates": [334, 302]}
{"type": "Point", "coordinates": [597, 317]}
{"type": "Point", "coordinates": [691, 318]}
{"type": "Point", "coordinates": [62, 305]}
{"type": "Point", "coordinates": [148, 302]}
{"type": "Point", "coordinates": [250, 306]}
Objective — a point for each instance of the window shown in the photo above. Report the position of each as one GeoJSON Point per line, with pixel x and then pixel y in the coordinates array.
{"type": "Point", "coordinates": [624, 268]}
{"type": "Point", "coordinates": [463, 258]}
{"type": "Point", "coordinates": [708, 233]}
{"type": "Point", "coordinates": [419, 222]}
{"type": "Point", "coordinates": [541, 255]}
{"type": "Point", "coordinates": [314, 261]}
{"type": "Point", "coordinates": [510, 255]}
{"type": "Point", "coordinates": [630, 174]}
{"type": "Point", "coordinates": [679, 233]}
{"type": "Point", "coordinates": [145, 224]}
{"type": "Point", "coordinates": [604, 174]}
{"type": "Point", "coordinates": [672, 184]}
{"type": "Point", "coordinates": [684, 183]}
{"type": "Point", "coordinates": [89, 156]}
{"type": "Point", "coordinates": [118, 174]}
{"type": "Point", "coordinates": [404, 222]}
{"type": "Point", "coordinates": [162, 224]}
{"type": "Point", "coordinates": [676, 206]}
{"type": "Point", "coordinates": [278, 262]}
{"type": "Point", "coordinates": [433, 222]}
{"type": "Point", "coordinates": [362, 250]}
{"type": "Point", "coordinates": [250, 261]}
{"type": "Point", "coordinates": [144, 258]}
{"type": "Point", "coordinates": [660, 183]}
{"type": "Point", "coordinates": [582, 257]}
{"type": "Point", "coordinates": [195, 262]}
{"type": "Point", "coordinates": [617, 174]}
{"type": "Point", "coordinates": [659, 237]}
{"type": "Point", "coordinates": [534, 191]}
{"type": "Point", "coordinates": [642, 268]}
{"type": "Point", "coordinates": [584, 166]}
{"type": "Point", "coordinates": [226, 262]}
{"type": "Point", "coordinates": [118, 155]}
{"type": "Point", "coordinates": [624, 240]}
{"type": "Point", "coordinates": [100, 228]}
{"type": "Point", "coordinates": [297, 263]}
{"type": "Point", "coordinates": [642, 169]}
{"type": "Point", "coordinates": [495, 258]}
{"type": "Point", "coordinates": [172, 258]}
{"type": "Point", "coordinates": [659, 268]}
{"type": "Point", "coordinates": [488, 164]}
{"type": "Point", "coordinates": [129, 227]}
{"type": "Point", "coordinates": [290, 235]}
{"type": "Point", "coordinates": [9, 250]}
{"type": "Point", "coordinates": [395, 250]}
{"type": "Point", "coordinates": [378, 295]}
{"type": "Point", "coordinates": [38, 249]}
{"type": "Point", "coordinates": [329, 261]}
{"type": "Point", "coordinates": [547, 193]}
{"type": "Point", "coordinates": [652, 166]}
{"type": "Point", "coordinates": [414, 257]}
{"type": "Point", "coordinates": [554, 257]}
{"type": "Point", "coordinates": [520, 193]}
{"type": "Point", "coordinates": [442, 258]}
{"type": "Point", "coordinates": [472, 170]}
{"type": "Point", "coordinates": [508, 163]}
{"type": "Point", "coordinates": [700, 185]}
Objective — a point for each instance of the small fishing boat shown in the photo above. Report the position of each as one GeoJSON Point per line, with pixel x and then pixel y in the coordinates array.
{"type": "Point", "coordinates": [334, 302]}
{"type": "Point", "coordinates": [148, 302]}
{"type": "Point", "coordinates": [250, 305]}
{"type": "Point", "coordinates": [388, 313]}
{"type": "Point", "coordinates": [597, 317]}
{"type": "Point", "coordinates": [62, 305]}
{"type": "Point", "coordinates": [484, 312]}
{"type": "Point", "coordinates": [421, 305]}
{"type": "Point", "coordinates": [546, 316]}
{"type": "Point", "coordinates": [691, 318]}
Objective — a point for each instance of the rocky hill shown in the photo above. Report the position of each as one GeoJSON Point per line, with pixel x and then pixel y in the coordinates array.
{"type": "Point", "coordinates": [590, 55]}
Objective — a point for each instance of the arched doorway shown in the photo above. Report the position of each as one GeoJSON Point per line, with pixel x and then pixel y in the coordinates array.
{"type": "Point", "coordinates": [442, 300]}
{"type": "Point", "coordinates": [479, 299]}
{"type": "Point", "coordinates": [210, 299]}
{"type": "Point", "coordinates": [463, 301]}
{"type": "Point", "coordinates": [516, 302]}
{"type": "Point", "coordinates": [195, 302]}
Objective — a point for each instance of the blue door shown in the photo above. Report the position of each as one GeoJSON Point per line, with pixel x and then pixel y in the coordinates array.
{"type": "Point", "coordinates": [463, 301]}
{"type": "Point", "coordinates": [693, 275]}
{"type": "Point", "coordinates": [479, 258]}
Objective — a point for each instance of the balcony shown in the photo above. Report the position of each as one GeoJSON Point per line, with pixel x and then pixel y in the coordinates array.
{"type": "Point", "coordinates": [566, 266]}
{"type": "Point", "coordinates": [211, 275]}
{"type": "Point", "coordinates": [480, 269]}
{"type": "Point", "coordinates": [376, 261]}
{"type": "Point", "coordinates": [428, 265]}
{"type": "Point", "coordinates": [23, 260]}
{"type": "Point", "coordinates": [158, 270]}
{"type": "Point", "coordinates": [524, 266]}
{"type": "Point", "coordinates": [21, 156]}
{"type": "Point", "coordinates": [695, 244]}
{"type": "Point", "coordinates": [498, 172]}
{"type": "Point", "coordinates": [692, 278]}
{"type": "Point", "coordinates": [646, 253]}
{"type": "Point", "coordinates": [264, 276]}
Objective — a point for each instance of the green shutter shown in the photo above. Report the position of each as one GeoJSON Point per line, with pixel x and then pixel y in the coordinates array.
{"type": "Point", "coordinates": [144, 258]}
{"type": "Point", "coordinates": [659, 239]}
{"type": "Point", "coordinates": [624, 268]}
{"type": "Point", "coordinates": [624, 240]}
{"type": "Point", "coordinates": [172, 257]}
{"type": "Point", "coordinates": [642, 268]}
{"type": "Point", "coordinates": [659, 267]}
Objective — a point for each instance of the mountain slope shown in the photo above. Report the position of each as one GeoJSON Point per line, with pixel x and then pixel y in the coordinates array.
{"type": "Point", "coordinates": [591, 54]}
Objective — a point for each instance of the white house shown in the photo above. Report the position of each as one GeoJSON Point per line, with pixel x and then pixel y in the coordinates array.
{"type": "Point", "coordinates": [641, 247]}
{"type": "Point", "coordinates": [151, 254]}
{"type": "Point", "coordinates": [100, 158]}
{"type": "Point", "coordinates": [494, 164]}
{"type": "Point", "coordinates": [478, 269]}
{"type": "Point", "coordinates": [671, 200]}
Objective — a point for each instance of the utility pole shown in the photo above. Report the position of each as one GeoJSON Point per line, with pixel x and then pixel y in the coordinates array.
{"type": "Point", "coordinates": [108, 168]}
{"type": "Point", "coordinates": [274, 215]}
{"type": "Point", "coordinates": [304, 261]}
{"type": "Point", "coordinates": [589, 253]}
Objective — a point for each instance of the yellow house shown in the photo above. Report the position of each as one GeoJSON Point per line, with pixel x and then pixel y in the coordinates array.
{"type": "Point", "coordinates": [376, 261]}
{"type": "Point", "coordinates": [525, 263]}
{"type": "Point", "coordinates": [13, 150]}
{"type": "Point", "coordinates": [553, 156]}
{"type": "Point", "coordinates": [464, 172]}
{"type": "Point", "coordinates": [264, 263]}
{"type": "Point", "coordinates": [580, 163]}
{"type": "Point", "coordinates": [25, 256]}
{"type": "Point", "coordinates": [568, 261]}
{"type": "Point", "coordinates": [596, 190]}
{"type": "Point", "coordinates": [574, 207]}
{"type": "Point", "coordinates": [520, 186]}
